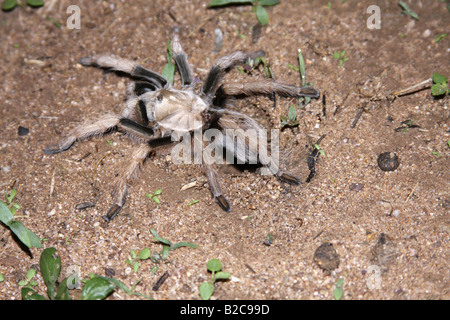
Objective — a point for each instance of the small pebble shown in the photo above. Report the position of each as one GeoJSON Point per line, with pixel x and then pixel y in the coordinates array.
{"type": "Point", "coordinates": [396, 213]}
{"type": "Point", "coordinates": [326, 257]}
{"type": "Point", "coordinates": [6, 169]}
{"type": "Point", "coordinates": [388, 161]}
{"type": "Point", "coordinates": [23, 131]}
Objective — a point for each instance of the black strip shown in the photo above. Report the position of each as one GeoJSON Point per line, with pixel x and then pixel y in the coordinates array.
{"type": "Point", "coordinates": [211, 82]}
{"type": "Point", "coordinates": [151, 76]}
{"type": "Point", "coordinates": [137, 128]}
{"type": "Point", "coordinates": [183, 68]}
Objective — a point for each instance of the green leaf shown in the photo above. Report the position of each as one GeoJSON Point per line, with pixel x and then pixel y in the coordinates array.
{"type": "Point", "coordinates": [5, 215]}
{"type": "Point", "coordinates": [183, 244]}
{"type": "Point", "coordinates": [144, 254]}
{"type": "Point", "coordinates": [292, 113]}
{"type": "Point", "coordinates": [218, 3]}
{"type": "Point", "coordinates": [269, 2]}
{"type": "Point", "coordinates": [136, 266]}
{"type": "Point", "coordinates": [11, 195]}
{"type": "Point", "coordinates": [438, 89]}
{"type": "Point", "coordinates": [2, 277]}
{"type": "Point", "coordinates": [169, 72]}
{"type": "Point", "coordinates": [30, 294]}
{"type": "Point", "coordinates": [157, 192]}
{"type": "Point", "coordinates": [440, 37]}
{"type": "Point", "coordinates": [262, 15]}
{"type": "Point", "coordinates": [165, 252]}
{"type": "Point", "coordinates": [30, 274]}
{"type": "Point", "coordinates": [63, 291]}
{"type": "Point", "coordinates": [214, 265]}
{"type": "Point", "coordinates": [96, 289]}
{"type": "Point", "coordinates": [439, 78]}
{"type": "Point", "coordinates": [9, 4]}
{"type": "Point", "coordinates": [133, 254]}
{"type": "Point", "coordinates": [50, 266]}
{"type": "Point", "coordinates": [158, 238]}
{"type": "Point", "coordinates": [118, 283]}
{"type": "Point", "coordinates": [222, 275]}
{"type": "Point", "coordinates": [35, 3]}
{"type": "Point", "coordinates": [301, 62]}
{"type": "Point", "coordinates": [27, 237]}
{"type": "Point", "coordinates": [156, 199]}
{"type": "Point", "coordinates": [206, 290]}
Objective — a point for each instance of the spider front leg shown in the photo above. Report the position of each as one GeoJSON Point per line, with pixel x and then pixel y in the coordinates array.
{"type": "Point", "coordinates": [129, 174]}
{"type": "Point", "coordinates": [127, 66]}
{"type": "Point", "coordinates": [181, 60]}
{"type": "Point", "coordinates": [84, 131]}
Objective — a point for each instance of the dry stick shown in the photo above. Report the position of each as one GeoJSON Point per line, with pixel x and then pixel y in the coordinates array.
{"type": "Point", "coordinates": [413, 88]}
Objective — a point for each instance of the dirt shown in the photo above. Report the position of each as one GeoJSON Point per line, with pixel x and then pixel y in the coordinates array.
{"type": "Point", "coordinates": [394, 222]}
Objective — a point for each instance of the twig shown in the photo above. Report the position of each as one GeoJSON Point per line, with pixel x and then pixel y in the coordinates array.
{"type": "Point", "coordinates": [413, 88]}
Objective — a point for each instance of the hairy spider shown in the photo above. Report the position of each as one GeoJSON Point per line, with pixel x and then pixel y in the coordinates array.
{"type": "Point", "coordinates": [155, 110]}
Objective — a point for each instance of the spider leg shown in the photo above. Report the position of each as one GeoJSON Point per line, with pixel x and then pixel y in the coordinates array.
{"type": "Point", "coordinates": [180, 58]}
{"type": "Point", "coordinates": [214, 184]}
{"type": "Point", "coordinates": [124, 65]}
{"type": "Point", "coordinates": [129, 174]}
{"type": "Point", "coordinates": [84, 131]}
{"type": "Point", "coordinates": [267, 86]}
{"type": "Point", "coordinates": [248, 131]}
{"type": "Point", "coordinates": [218, 70]}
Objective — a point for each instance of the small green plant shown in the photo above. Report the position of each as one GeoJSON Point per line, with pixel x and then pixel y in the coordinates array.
{"type": "Point", "coordinates": [26, 236]}
{"type": "Point", "coordinates": [167, 247]}
{"type": "Point", "coordinates": [435, 153]}
{"type": "Point", "coordinates": [169, 68]}
{"type": "Point", "coordinates": [2, 277]}
{"type": "Point", "coordinates": [28, 281]}
{"type": "Point", "coordinates": [258, 7]}
{"type": "Point", "coordinates": [144, 254]}
{"type": "Point", "coordinates": [291, 119]}
{"type": "Point", "coordinates": [338, 291]}
{"type": "Point", "coordinates": [407, 11]}
{"type": "Point", "coordinates": [439, 37]}
{"type": "Point", "coordinates": [319, 149]}
{"type": "Point", "coordinates": [192, 202]}
{"type": "Point", "coordinates": [340, 55]}
{"type": "Point", "coordinates": [206, 289]}
{"type": "Point", "coordinates": [439, 87]}
{"type": "Point", "coordinates": [8, 5]}
{"type": "Point", "coordinates": [95, 288]}
{"type": "Point", "coordinates": [9, 201]}
{"type": "Point", "coordinates": [154, 196]}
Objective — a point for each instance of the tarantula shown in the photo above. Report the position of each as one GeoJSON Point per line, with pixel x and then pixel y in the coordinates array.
{"type": "Point", "coordinates": [155, 110]}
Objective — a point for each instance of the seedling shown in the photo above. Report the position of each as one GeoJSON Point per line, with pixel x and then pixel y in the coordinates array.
{"type": "Point", "coordinates": [319, 149]}
{"type": "Point", "coordinates": [269, 240]}
{"type": "Point", "coordinates": [144, 254]}
{"type": "Point", "coordinates": [8, 5]}
{"type": "Point", "coordinates": [435, 153]}
{"type": "Point", "coordinates": [439, 87]}
{"type": "Point", "coordinates": [9, 201]}
{"type": "Point", "coordinates": [207, 288]}
{"type": "Point", "coordinates": [154, 196]}
{"type": "Point", "coordinates": [258, 7]}
{"type": "Point", "coordinates": [291, 119]}
{"type": "Point", "coordinates": [340, 55]}
{"type": "Point", "coordinates": [192, 202]}
{"type": "Point", "coordinates": [167, 247]}
{"type": "Point", "coordinates": [95, 288]}
{"type": "Point", "coordinates": [407, 11]}
{"type": "Point", "coordinates": [440, 37]}
{"type": "Point", "coordinates": [2, 277]}
{"type": "Point", "coordinates": [28, 281]}
{"type": "Point", "coordinates": [338, 291]}
{"type": "Point", "coordinates": [169, 69]}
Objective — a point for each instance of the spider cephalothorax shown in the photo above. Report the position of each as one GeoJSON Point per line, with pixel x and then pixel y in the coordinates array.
{"type": "Point", "coordinates": [154, 110]}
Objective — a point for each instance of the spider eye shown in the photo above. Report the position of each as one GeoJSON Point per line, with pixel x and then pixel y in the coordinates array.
{"type": "Point", "coordinates": [159, 97]}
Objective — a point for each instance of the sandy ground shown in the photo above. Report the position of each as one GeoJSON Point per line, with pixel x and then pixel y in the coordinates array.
{"type": "Point", "coordinates": [396, 222]}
